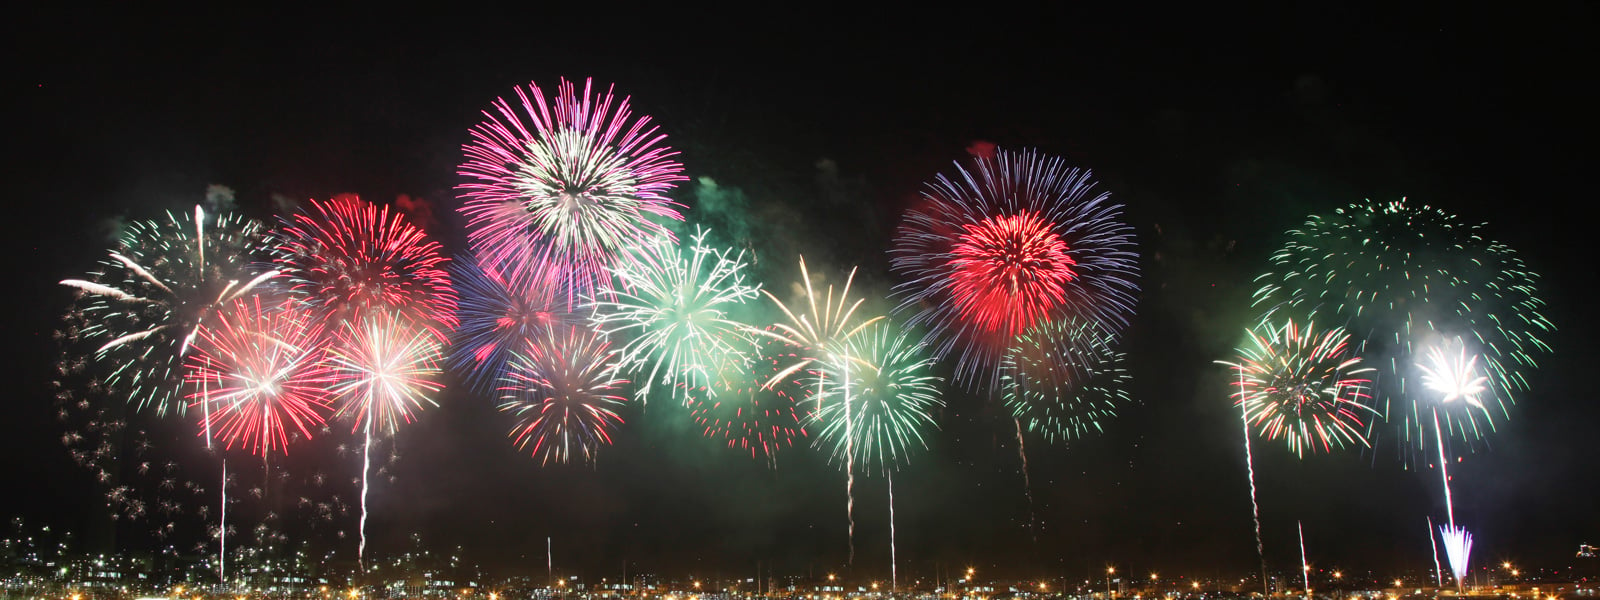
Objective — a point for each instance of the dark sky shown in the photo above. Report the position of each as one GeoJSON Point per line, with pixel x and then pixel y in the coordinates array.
{"type": "Point", "coordinates": [1218, 130]}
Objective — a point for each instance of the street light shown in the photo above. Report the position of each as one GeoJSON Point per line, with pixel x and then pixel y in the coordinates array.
{"type": "Point", "coordinates": [1110, 570]}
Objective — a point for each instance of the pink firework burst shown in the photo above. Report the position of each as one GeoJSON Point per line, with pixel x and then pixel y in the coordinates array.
{"type": "Point", "coordinates": [560, 187]}
{"type": "Point", "coordinates": [258, 375]}
{"type": "Point", "coordinates": [351, 258]}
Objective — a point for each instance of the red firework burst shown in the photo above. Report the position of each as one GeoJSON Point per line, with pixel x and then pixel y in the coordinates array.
{"type": "Point", "coordinates": [1009, 272]}
{"type": "Point", "coordinates": [738, 407]}
{"type": "Point", "coordinates": [259, 375]}
{"type": "Point", "coordinates": [351, 258]}
{"type": "Point", "coordinates": [1015, 240]}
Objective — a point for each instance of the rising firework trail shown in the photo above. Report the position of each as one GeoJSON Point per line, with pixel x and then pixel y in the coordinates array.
{"type": "Point", "coordinates": [894, 563]}
{"type": "Point", "coordinates": [1250, 472]}
{"type": "Point", "coordinates": [823, 335]}
{"type": "Point", "coordinates": [558, 189]}
{"type": "Point", "coordinates": [1453, 378]}
{"type": "Point", "coordinates": [673, 305]}
{"type": "Point", "coordinates": [1027, 486]}
{"type": "Point", "coordinates": [1433, 544]}
{"type": "Point", "coordinates": [880, 396]}
{"type": "Point", "coordinates": [1305, 567]}
{"type": "Point", "coordinates": [1014, 241]}
{"type": "Point", "coordinates": [386, 368]}
{"type": "Point", "coordinates": [222, 528]}
{"type": "Point", "coordinates": [162, 287]}
{"type": "Point", "coordinates": [1060, 379]}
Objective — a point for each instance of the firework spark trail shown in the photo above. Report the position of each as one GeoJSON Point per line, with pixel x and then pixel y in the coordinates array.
{"type": "Point", "coordinates": [849, 462]}
{"type": "Point", "coordinates": [1444, 475]}
{"type": "Point", "coordinates": [366, 469]}
{"type": "Point", "coordinates": [1438, 571]}
{"type": "Point", "coordinates": [1305, 567]}
{"type": "Point", "coordinates": [1250, 472]}
{"type": "Point", "coordinates": [222, 528]}
{"type": "Point", "coordinates": [1027, 486]}
{"type": "Point", "coordinates": [887, 395]}
{"type": "Point", "coordinates": [824, 334]}
{"type": "Point", "coordinates": [894, 563]}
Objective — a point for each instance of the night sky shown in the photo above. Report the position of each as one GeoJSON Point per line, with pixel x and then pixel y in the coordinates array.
{"type": "Point", "coordinates": [1218, 130]}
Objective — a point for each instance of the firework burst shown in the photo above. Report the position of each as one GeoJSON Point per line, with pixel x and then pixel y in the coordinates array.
{"type": "Point", "coordinates": [822, 331]}
{"type": "Point", "coordinates": [821, 335]}
{"type": "Point", "coordinates": [262, 372]}
{"type": "Point", "coordinates": [564, 392]}
{"type": "Point", "coordinates": [879, 395]}
{"type": "Point", "coordinates": [1061, 378]}
{"type": "Point", "coordinates": [1302, 387]}
{"type": "Point", "coordinates": [675, 312]}
{"type": "Point", "coordinates": [560, 188]}
{"type": "Point", "coordinates": [1454, 377]}
{"type": "Point", "coordinates": [163, 286]}
{"type": "Point", "coordinates": [1399, 275]}
{"type": "Point", "coordinates": [1017, 240]}
{"type": "Point", "coordinates": [496, 319]}
{"type": "Point", "coordinates": [351, 258]}
{"type": "Point", "coordinates": [740, 408]}
{"type": "Point", "coordinates": [386, 369]}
